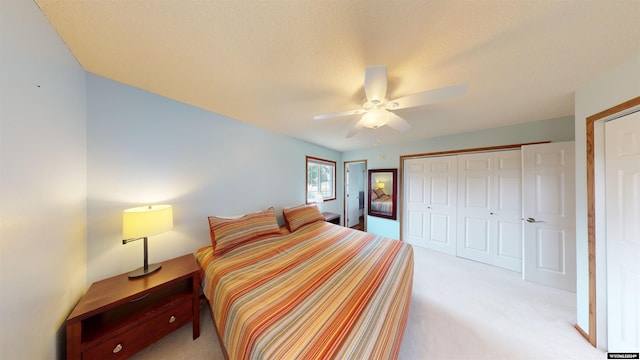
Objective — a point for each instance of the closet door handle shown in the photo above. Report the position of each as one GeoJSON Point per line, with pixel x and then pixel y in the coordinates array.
{"type": "Point", "coordinates": [532, 220]}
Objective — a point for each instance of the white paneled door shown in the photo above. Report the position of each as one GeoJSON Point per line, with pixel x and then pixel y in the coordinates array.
{"type": "Point", "coordinates": [475, 178]}
{"type": "Point", "coordinates": [429, 208]}
{"type": "Point", "coordinates": [490, 208]}
{"type": "Point", "coordinates": [622, 163]}
{"type": "Point", "coordinates": [549, 214]}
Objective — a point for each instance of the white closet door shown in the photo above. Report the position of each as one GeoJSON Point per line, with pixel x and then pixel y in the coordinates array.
{"type": "Point", "coordinates": [622, 148]}
{"type": "Point", "coordinates": [506, 217]}
{"type": "Point", "coordinates": [548, 178]}
{"type": "Point", "coordinates": [430, 203]}
{"type": "Point", "coordinates": [490, 208]}
{"type": "Point", "coordinates": [475, 190]}
{"type": "Point", "coordinates": [414, 203]}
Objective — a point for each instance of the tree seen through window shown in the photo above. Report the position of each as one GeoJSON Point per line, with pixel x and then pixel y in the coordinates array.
{"type": "Point", "coordinates": [321, 179]}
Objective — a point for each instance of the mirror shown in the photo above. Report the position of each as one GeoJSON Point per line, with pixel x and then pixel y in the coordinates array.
{"type": "Point", "coordinates": [382, 193]}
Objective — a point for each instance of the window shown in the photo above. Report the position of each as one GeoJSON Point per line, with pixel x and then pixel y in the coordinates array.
{"type": "Point", "coordinates": [321, 179]}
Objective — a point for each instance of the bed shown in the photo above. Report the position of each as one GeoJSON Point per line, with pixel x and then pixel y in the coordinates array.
{"type": "Point", "coordinates": [310, 290]}
{"type": "Point", "coordinates": [381, 203]}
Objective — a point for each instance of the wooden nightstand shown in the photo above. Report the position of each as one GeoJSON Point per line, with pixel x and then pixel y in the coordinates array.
{"type": "Point", "coordinates": [119, 316]}
{"type": "Point", "coordinates": [331, 217]}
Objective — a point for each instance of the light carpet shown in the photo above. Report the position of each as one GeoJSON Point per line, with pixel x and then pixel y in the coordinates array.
{"type": "Point", "coordinates": [460, 309]}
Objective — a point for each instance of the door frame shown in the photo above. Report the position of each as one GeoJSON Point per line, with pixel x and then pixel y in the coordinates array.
{"type": "Point", "coordinates": [344, 190]}
{"type": "Point", "coordinates": [595, 212]}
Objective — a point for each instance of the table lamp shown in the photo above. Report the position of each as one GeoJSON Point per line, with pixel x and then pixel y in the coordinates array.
{"type": "Point", "coordinates": [141, 222]}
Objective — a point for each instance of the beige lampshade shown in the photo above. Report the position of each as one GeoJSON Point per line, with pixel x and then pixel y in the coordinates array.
{"type": "Point", "coordinates": [380, 185]}
{"type": "Point", "coordinates": [146, 220]}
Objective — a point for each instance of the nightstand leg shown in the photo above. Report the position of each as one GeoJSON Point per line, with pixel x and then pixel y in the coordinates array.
{"type": "Point", "coordinates": [74, 341]}
{"type": "Point", "coordinates": [196, 306]}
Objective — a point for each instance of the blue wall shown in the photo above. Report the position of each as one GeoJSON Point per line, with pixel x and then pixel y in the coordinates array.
{"type": "Point", "coordinates": [42, 184]}
{"type": "Point", "coordinates": [144, 148]}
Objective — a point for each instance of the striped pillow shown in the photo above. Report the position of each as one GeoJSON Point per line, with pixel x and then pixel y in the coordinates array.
{"type": "Point", "coordinates": [298, 216]}
{"type": "Point", "coordinates": [379, 192]}
{"type": "Point", "coordinates": [230, 232]}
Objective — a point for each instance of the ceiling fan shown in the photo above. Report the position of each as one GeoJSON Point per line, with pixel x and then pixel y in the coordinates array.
{"type": "Point", "coordinates": [377, 111]}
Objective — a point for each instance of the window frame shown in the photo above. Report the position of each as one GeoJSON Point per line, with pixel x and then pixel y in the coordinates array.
{"type": "Point", "coordinates": [318, 162]}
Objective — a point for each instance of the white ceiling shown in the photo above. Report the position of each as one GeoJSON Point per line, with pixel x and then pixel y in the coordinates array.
{"type": "Point", "coordinates": [276, 64]}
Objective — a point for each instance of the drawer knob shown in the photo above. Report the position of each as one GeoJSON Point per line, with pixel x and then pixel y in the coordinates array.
{"type": "Point", "coordinates": [172, 319]}
{"type": "Point", "coordinates": [117, 348]}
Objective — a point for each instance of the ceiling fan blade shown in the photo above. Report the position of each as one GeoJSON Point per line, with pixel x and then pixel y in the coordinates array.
{"type": "Point", "coordinates": [428, 97]}
{"type": "Point", "coordinates": [338, 114]}
{"type": "Point", "coordinates": [397, 123]}
{"type": "Point", "coordinates": [356, 128]}
{"type": "Point", "coordinates": [375, 83]}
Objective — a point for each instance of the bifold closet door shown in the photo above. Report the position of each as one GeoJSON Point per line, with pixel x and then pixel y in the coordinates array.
{"type": "Point", "coordinates": [429, 210]}
{"type": "Point", "coordinates": [489, 219]}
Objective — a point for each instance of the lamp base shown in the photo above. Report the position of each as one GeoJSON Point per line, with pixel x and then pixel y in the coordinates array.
{"type": "Point", "coordinates": [140, 272]}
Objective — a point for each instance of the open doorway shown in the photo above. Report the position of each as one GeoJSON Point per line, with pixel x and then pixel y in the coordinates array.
{"type": "Point", "coordinates": [354, 194]}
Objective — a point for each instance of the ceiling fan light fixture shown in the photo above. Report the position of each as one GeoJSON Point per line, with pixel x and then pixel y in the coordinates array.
{"type": "Point", "coordinates": [375, 118]}
{"type": "Point", "coordinates": [379, 111]}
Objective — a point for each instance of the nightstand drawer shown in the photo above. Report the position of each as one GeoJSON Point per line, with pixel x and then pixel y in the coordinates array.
{"type": "Point", "coordinates": [128, 343]}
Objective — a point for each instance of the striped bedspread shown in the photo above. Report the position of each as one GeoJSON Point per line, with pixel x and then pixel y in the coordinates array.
{"type": "Point", "coordinates": [322, 292]}
{"type": "Point", "coordinates": [383, 204]}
